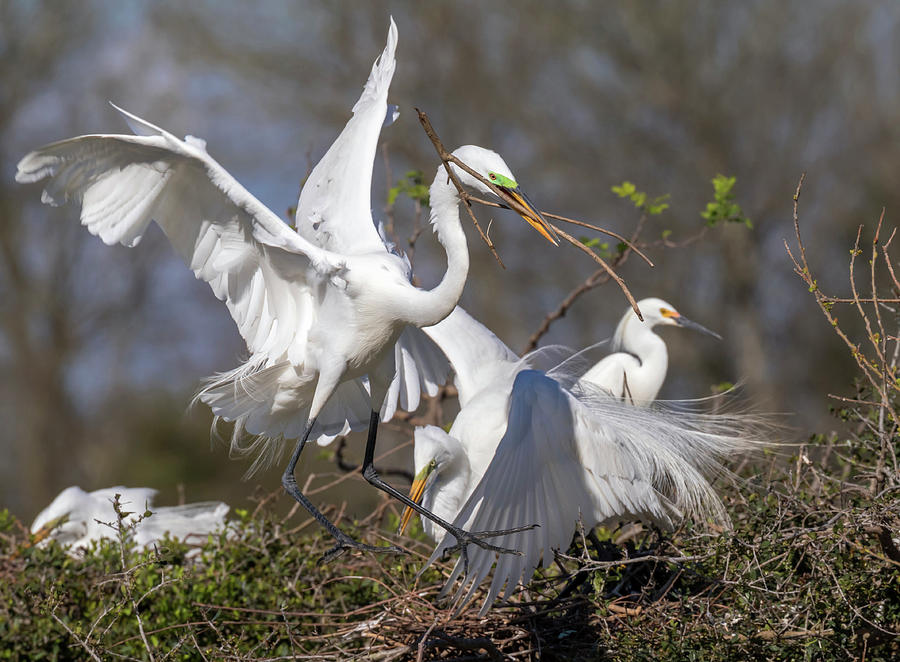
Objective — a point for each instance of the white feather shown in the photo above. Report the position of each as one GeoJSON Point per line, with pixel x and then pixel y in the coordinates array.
{"type": "Point", "coordinates": [76, 518]}
{"type": "Point", "coordinates": [538, 449]}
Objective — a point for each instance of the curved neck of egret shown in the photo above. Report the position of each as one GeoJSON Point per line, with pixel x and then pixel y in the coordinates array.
{"type": "Point", "coordinates": [638, 339]}
{"type": "Point", "coordinates": [431, 306]}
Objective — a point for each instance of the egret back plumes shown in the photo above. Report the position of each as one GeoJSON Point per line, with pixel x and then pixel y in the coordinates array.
{"type": "Point", "coordinates": [76, 518]}
{"type": "Point", "coordinates": [318, 307]}
{"type": "Point", "coordinates": [534, 447]}
{"type": "Point", "coordinates": [636, 369]}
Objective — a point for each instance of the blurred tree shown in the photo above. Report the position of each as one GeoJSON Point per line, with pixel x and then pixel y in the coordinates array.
{"type": "Point", "coordinates": [578, 96]}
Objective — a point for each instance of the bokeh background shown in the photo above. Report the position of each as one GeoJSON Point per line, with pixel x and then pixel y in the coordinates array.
{"type": "Point", "coordinates": [101, 348]}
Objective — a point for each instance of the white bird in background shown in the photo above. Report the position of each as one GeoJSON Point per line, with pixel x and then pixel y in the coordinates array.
{"type": "Point", "coordinates": [320, 308]}
{"type": "Point", "coordinates": [636, 369]}
{"type": "Point", "coordinates": [532, 447]}
{"type": "Point", "coordinates": [76, 518]}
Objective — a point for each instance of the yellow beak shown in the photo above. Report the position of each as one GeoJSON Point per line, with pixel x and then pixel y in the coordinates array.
{"type": "Point", "coordinates": [415, 493]}
{"type": "Point", "coordinates": [534, 218]}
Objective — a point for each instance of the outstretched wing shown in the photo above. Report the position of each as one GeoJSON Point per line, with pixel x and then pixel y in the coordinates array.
{"type": "Point", "coordinates": [554, 465]}
{"type": "Point", "coordinates": [264, 271]}
{"type": "Point", "coordinates": [477, 356]}
{"type": "Point", "coordinates": [335, 208]}
{"type": "Point", "coordinates": [419, 365]}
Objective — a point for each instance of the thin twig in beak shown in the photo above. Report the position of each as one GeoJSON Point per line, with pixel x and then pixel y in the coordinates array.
{"type": "Point", "coordinates": [447, 158]}
{"type": "Point", "coordinates": [573, 221]}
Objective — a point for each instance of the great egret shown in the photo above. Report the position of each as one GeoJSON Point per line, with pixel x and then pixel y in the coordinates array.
{"type": "Point", "coordinates": [76, 518]}
{"type": "Point", "coordinates": [636, 369]}
{"type": "Point", "coordinates": [320, 308]}
{"type": "Point", "coordinates": [532, 447]}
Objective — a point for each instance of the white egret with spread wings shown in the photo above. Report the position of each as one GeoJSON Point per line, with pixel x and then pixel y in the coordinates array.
{"type": "Point", "coordinates": [534, 447]}
{"type": "Point", "coordinates": [323, 308]}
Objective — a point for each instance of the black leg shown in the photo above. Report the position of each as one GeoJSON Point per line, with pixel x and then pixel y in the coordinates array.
{"type": "Point", "coordinates": [344, 542]}
{"type": "Point", "coordinates": [463, 538]}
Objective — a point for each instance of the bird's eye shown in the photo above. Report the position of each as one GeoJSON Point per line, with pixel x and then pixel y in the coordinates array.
{"type": "Point", "coordinates": [493, 177]}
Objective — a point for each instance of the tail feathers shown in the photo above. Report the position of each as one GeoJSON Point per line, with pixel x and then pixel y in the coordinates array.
{"type": "Point", "coordinates": [270, 404]}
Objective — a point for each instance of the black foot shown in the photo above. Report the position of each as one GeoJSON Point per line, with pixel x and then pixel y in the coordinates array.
{"type": "Point", "coordinates": [479, 537]}
{"type": "Point", "coordinates": [466, 538]}
{"type": "Point", "coordinates": [345, 544]}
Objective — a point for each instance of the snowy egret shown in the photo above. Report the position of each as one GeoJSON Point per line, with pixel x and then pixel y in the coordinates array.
{"type": "Point", "coordinates": [636, 369]}
{"type": "Point", "coordinates": [532, 447]}
{"type": "Point", "coordinates": [76, 518]}
{"type": "Point", "coordinates": [320, 308]}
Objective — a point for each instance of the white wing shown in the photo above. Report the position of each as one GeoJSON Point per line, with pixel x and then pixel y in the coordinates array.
{"type": "Point", "coordinates": [566, 456]}
{"type": "Point", "coordinates": [335, 210]}
{"type": "Point", "coordinates": [191, 522]}
{"type": "Point", "coordinates": [262, 269]}
{"type": "Point", "coordinates": [476, 354]}
{"type": "Point", "coordinates": [420, 365]}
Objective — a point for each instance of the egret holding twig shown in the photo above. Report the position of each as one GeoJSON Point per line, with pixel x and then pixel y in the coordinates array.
{"type": "Point", "coordinates": [320, 308]}
{"type": "Point", "coordinates": [533, 447]}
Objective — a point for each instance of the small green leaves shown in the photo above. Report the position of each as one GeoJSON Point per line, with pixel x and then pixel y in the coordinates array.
{"type": "Point", "coordinates": [723, 208]}
{"type": "Point", "coordinates": [602, 247]}
{"type": "Point", "coordinates": [413, 186]}
{"type": "Point", "coordinates": [639, 199]}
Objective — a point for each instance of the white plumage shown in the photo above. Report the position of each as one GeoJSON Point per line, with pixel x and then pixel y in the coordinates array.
{"type": "Point", "coordinates": [527, 449]}
{"type": "Point", "coordinates": [328, 312]}
{"type": "Point", "coordinates": [76, 518]}
{"type": "Point", "coordinates": [636, 368]}
{"type": "Point", "coordinates": [288, 292]}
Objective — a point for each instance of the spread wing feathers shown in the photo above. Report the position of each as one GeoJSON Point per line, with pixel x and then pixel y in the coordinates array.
{"type": "Point", "coordinates": [420, 365]}
{"type": "Point", "coordinates": [334, 210]}
{"type": "Point", "coordinates": [478, 356]}
{"type": "Point", "coordinates": [265, 272]}
{"type": "Point", "coordinates": [270, 404]}
{"type": "Point", "coordinates": [566, 456]}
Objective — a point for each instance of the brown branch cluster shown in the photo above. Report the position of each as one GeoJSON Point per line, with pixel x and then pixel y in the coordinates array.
{"type": "Point", "coordinates": [877, 356]}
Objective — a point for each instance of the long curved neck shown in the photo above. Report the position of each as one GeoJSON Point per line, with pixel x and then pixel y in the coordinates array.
{"type": "Point", "coordinates": [638, 339]}
{"type": "Point", "coordinates": [431, 306]}
{"type": "Point", "coordinates": [447, 495]}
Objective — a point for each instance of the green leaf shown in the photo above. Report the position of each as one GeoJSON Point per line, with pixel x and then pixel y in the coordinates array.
{"type": "Point", "coordinates": [723, 208]}
{"type": "Point", "coordinates": [413, 186]}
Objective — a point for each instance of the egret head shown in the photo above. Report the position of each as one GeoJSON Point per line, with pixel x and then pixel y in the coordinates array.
{"type": "Point", "coordinates": [434, 451]}
{"type": "Point", "coordinates": [55, 518]}
{"type": "Point", "coordinates": [657, 312]}
{"type": "Point", "coordinates": [492, 167]}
